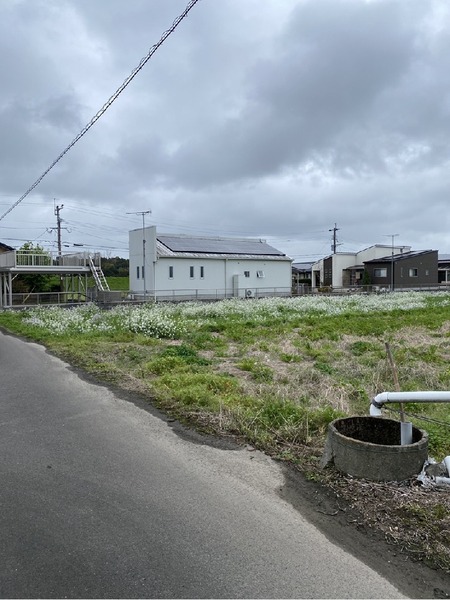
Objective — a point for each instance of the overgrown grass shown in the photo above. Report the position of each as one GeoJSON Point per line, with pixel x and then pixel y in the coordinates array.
{"type": "Point", "coordinates": [275, 371]}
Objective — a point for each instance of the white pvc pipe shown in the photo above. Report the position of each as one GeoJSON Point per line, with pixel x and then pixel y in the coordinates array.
{"type": "Point", "coordinates": [385, 397]}
{"type": "Point", "coordinates": [406, 436]}
{"type": "Point", "coordinates": [442, 480]}
{"type": "Point", "coordinates": [412, 397]}
{"type": "Point", "coordinates": [447, 464]}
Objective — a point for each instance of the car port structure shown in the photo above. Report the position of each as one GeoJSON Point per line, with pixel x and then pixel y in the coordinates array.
{"type": "Point", "coordinates": [72, 269]}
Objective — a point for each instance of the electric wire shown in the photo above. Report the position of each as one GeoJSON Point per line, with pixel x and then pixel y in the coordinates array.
{"type": "Point", "coordinates": [419, 417]}
{"type": "Point", "coordinates": [108, 103]}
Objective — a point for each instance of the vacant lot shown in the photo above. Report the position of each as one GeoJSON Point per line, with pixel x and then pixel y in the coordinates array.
{"type": "Point", "coordinates": [274, 373]}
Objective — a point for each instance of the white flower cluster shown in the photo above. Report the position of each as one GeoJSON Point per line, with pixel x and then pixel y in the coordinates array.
{"type": "Point", "coordinates": [169, 320]}
{"type": "Point", "coordinates": [265, 309]}
{"type": "Point", "coordinates": [150, 320]}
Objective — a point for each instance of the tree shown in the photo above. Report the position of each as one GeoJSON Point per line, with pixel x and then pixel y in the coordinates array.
{"type": "Point", "coordinates": [115, 267]}
{"type": "Point", "coordinates": [366, 278]}
{"type": "Point", "coordinates": [35, 282]}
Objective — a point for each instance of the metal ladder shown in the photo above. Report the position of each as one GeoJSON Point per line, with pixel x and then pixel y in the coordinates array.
{"type": "Point", "coordinates": [99, 276]}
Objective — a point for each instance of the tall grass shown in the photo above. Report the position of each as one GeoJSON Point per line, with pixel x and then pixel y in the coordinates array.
{"type": "Point", "coordinates": [275, 371]}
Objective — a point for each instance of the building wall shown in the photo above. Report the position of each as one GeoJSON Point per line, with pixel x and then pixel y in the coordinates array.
{"type": "Point", "coordinates": [136, 255]}
{"type": "Point", "coordinates": [444, 272]}
{"type": "Point", "coordinates": [330, 270]}
{"type": "Point", "coordinates": [419, 270]}
{"type": "Point", "coordinates": [379, 251]}
{"type": "Point", "coordinates": [220, 275]}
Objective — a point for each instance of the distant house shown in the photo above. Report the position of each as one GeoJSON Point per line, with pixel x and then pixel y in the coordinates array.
{"type": "Point", "coordinates": [405, 270]}
{"type": "Point", "coordinates": [346, 269]}
{"type": "Point", "coordinates": [444, 269]}
{"type": "Point", "coordinates": [173, 266]}
{"type": "Point", "coordinates": [301, 276]}
{"type": "Point", "coordinates": [5, 248]}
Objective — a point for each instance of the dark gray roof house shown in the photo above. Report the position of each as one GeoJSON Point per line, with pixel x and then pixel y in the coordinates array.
{"type": "Point", "coordinates": [413, 269]}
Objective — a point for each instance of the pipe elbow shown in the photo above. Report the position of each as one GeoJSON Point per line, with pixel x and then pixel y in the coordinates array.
{"type": "Point", "coordinates": [375, 409]}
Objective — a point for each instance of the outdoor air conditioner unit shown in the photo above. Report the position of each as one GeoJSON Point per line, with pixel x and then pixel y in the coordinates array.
{"type": "Point", "coordinates": [248, 293]}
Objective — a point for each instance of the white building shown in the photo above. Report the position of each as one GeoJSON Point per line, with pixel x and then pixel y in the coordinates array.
{"type": "Point", "coordinates": [173, 266]}
{"type": "Point", "coordinates": [345, 269]}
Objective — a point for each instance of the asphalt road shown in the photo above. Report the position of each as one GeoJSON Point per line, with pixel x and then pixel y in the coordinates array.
{"type": "Point", "coordinates": [102, 499]}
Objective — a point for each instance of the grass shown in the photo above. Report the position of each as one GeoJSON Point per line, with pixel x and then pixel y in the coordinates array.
{"type": "Point", "coordinates": [121, 284]}
{"type": "Point", "coordinates": [234, 356]}
{"type": "Point", "coordinates": [273, 372]}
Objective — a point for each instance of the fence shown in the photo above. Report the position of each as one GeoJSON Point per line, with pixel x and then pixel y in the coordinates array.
{"type": "Point", "coordinates": [48, 298]}
{"type": "Point", "coordinates": [209, 295]}
{"type": "Point", "coordinates": [377, 289]}
{"type": "Point", "coordinates": [47, 260]}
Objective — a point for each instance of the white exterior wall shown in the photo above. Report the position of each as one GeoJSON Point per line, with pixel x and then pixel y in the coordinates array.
{"type": "Point", "coordinates": [136, 254]}
{"type": "Point", "coordinates": [379, 251]}
{"type": "Point", "coordinates": [219, 276]}
{"type": "Point", "coordinates": [340, 262]}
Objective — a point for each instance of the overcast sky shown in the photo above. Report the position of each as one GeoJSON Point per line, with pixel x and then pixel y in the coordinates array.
{"type": "Point", "coordinates": [259, 118]}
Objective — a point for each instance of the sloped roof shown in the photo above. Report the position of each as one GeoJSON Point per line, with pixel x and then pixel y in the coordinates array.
{"type": "Point", "coordinates": [5, 247]}
{"type": "Point", "coordinates": [182, 245]}
{"type": "Point", "coordinates": [302, 266]}
{"type": "Point", "coordinates": [401, 256]}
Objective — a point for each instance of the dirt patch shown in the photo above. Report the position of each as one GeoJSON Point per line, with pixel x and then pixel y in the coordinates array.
{"type": "Point", "coordinates": [363, 518]}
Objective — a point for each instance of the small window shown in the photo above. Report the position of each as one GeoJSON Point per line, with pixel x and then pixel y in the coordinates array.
{"type": "Point", "coordinates": [260, 274]}
{"type": "Point", "coordinates": [413, 273]}
{"type": "Point", "coordinates": [246, 273]}
{"type": "Point", "coordinates": [427, 272]}
{"type": "Point", "coordinates": [142, 271]}
{"type": "Point", "coordinates": [202, 272]}
{"type": "Point", "coordinates": [137, 272]}
{"type": "Point", "coordinates": [191, 272]}
{"type": "Point", "coordinates": [380, 272]}
{"type": "Point", "coordinates": [170, 272]}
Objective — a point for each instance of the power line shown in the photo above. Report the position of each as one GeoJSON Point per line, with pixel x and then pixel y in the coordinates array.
{"type": "Point", "coordinates": [107, 104]}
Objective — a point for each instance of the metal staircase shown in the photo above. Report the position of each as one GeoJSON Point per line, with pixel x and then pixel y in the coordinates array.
{"type": "Point", "coordinates": [99, 277]}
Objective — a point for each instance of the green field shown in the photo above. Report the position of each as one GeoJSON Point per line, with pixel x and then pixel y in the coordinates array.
{"type": "Point", "coordinates": [273, 373]}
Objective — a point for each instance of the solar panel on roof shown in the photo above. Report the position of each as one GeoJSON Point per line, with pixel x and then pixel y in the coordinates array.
{"type": "Point", "coordinates": [217, 245]}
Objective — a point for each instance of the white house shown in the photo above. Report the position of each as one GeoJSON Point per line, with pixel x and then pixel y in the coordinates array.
{"type": "Point", "coordinates": [344, 269]}
{"type": "Point", "coordinates": [173, 266]}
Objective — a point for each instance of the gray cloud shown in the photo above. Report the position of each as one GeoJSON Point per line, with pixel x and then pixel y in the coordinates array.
{"type": "Point", "coordinates": [275, 119]}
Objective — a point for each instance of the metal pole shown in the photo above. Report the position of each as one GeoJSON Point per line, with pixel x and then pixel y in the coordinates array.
{"type": "Point", "coordinates": [144, 269]}
{"type": "Point", "coordinates": [392, 236]}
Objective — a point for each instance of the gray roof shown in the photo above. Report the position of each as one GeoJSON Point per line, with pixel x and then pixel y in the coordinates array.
{"type": "Point", "coordinates": [401, 256]}
{"type": "Point", "coordinates": [444, 257]}
{"type": "Point", "coordinates": [302, 266]}
{"type": "Point", "coordinates": [5, 247]}
{"type": "Point", "coordinates": [180, 244]}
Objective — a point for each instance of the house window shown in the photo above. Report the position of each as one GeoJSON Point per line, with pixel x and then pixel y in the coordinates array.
{"type": "Point", "coordinates": [170, 272]}
{"type": "Point", "coordinates": [246, 273]}
{"type": "Point", "coordinates": [191, 272]}
{"type": "Point", "coordinates": [260, 274]}
{"type": "Point", "coordinates": [427, 272]}
{"type": "Point", "coordinates": [202, 272]}
{"type": "Point", "coordinates": [413, 273]}
{"type": "Point", "coordinates": [142, 271]}
{"type": "Point", "coordinates": [380, 272]}
{"type": "Point", "coordinates": [401, 271]}
{"type": "Point", "coordinates": [137, 272]}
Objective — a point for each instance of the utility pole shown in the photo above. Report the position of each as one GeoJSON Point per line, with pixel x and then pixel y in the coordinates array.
{"type": "Point", "coordinates": [143, 213]}
{"type": "Point", "coordinates": [58, 227]}
{"type": "Point", "coordinates": [334, 245]}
